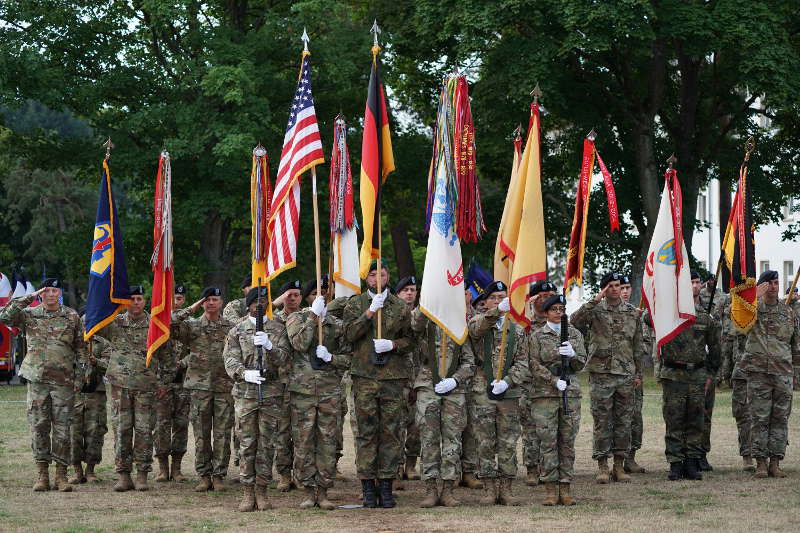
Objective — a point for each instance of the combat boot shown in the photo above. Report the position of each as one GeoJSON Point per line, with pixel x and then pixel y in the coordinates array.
{"type": "Point", "coordinates": [447, 499]}
{"type": "Point", "coordinates": [602, 476]}
{"type": "Point", "coordinates": [774, 468]}
{"type": "Point", "coordinates": [285, 483]}
{"type": "Point", "coordinates": [431, 494]}
{"type": "Point", "coordinates": [78, 477]}
{"type": "Point", "coordinates": [163, 470]}
{"type": "Point", "coordinates": [691, 470]}
{"type": "Point", "coordinates": [61, 484]}
{"type": "Point", "coordinates": [204, 484]}
{"type": "Point", "coordinates": [532, 479]}
{"type": "Point", "coordinates": [91, 477]}
{"type": "Point", "coordinates": [323, 501]}
{"type": "Point", "coordinates": [505, 494]}
{"type": "Point", "coordinates": [747, 464]}
{"type": "Point", "coordinates": [385, 490]}
{"type": "Point", "coordinates": [311, 498]}
{"type": "Point", "coordinates": [369, 494]}
{"type": "Point", "coordinates": [43, 483]}
{"type": "Point", "coordinates": [218, 482]}
{"type": "Point", "coordinates": [704, 465]}
{"type": "Point", "coordinates": [398, 482]}
{"type": "Point", "coordinates": [248, 502]}
{"type": "Point", "coordinates": [761, 467]}
{"type": "Point", "coordinates": [140, 483]}
{"type": "Point", "coordinates": [550, 494]}
{"type": "Point", "coordinates": [631, 466]}
{"type": "Point", "coordinates": [489, 492]}
{"type": "Point", "coordinates": [618, 474]}
{"type": "Point", "coordinates": [262, 500]}
{"type": "Point", "coordinates": [175, 473]}
{"type": "Point", "coordinates": [124, 483]}
{"type": "Point", "coordinates": [339, 475]}
{"type": "Point", "coordinates": [471, 482]}
{"type": "Point", "coordinates": [675, 471]}
{"type": "Point", "coordinates": [411, 469]}
{"type": "Point", "coordinates": [564, 495]}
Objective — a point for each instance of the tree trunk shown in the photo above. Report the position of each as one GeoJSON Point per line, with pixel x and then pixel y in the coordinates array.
{"type": "Point", "coordinates": [216, 252]}
{"type": "Point", "coordinates": [643, 145]}
{"type": "Point", "coordinates": [402, 250]}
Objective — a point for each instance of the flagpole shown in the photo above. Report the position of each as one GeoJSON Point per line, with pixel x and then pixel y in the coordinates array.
{"type": "Point", "coordinates": [375, 30]}
{"type": "Point", "coordinates": [316, 244]}
{"type": "Point", "coordinates": [791, 289]}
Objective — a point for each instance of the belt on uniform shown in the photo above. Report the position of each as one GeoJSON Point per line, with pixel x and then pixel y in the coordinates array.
{"type": "Point", "coordinates": [684, 366]}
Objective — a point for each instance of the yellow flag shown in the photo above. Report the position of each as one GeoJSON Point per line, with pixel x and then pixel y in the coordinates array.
{"type": "Point", "coordinates": [502, 262]}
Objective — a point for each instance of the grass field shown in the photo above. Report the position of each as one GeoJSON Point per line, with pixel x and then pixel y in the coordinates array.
{"type": "Point", "coordinates": [727, 499]}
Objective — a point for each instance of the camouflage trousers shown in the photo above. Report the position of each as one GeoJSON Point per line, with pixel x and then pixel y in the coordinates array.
{"type": "Point", "coordinates": [88, 428]}
{"type": "Point", "coordinates": [314, 419]}
{"type": "Point", "coordinates": [257, 426]}
{"type": "Point", "coordinates": [172, 423]}
{"type": "Point", "coordinates": [284, 447]}
{"type": "Point", "coordinates": [212, 421]}
{"type": "Point", "coordinates": [411, 437]}
{"type": "Point", "coordinates": [469, 442]}
{"type": "Point", "coordinates": [637, 424]}
{"type": "Point", "coordinates": [556, 432]}
{"type": "Point", "coordinates": [684, 414]}
{"type": "Point", "coordinates": [133, 440]}
{"type": "Point", "coordinates": [345, 406]}
{"type": "Point", "coordinates": [708, 407]}
{"type": "Point", "coordinates": [770, 398]}
{"type": "Point", "coordinates": [612, 398]}
{"type": "Point", "coordinates": [497, 429]}
{"type": "Point", "coordinates": [741, 413]}
{"type": "Point", "coordinates": [441, 421]}
{"type": "Point", "coordinates": [530, 438]}
{"type": "Point", "coordinates": [380, 409]}
{"type": "Point", "coordinates": [50, 415]}
{"type": "Point", "coordinates": [796, 385]}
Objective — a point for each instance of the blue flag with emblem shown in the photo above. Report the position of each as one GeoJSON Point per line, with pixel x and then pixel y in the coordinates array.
{"type": "Point", "coordinates": [108, 293]}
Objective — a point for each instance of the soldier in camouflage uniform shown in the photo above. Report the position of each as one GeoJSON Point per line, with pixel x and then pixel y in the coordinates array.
{"type": "Point", "coordinates": [637, 423]}
{"type": "Point", "coordinates": [336, 309]}
{"type": "Point", "coordinates": [497, 421]}
{"type": "Point", "coordinates": [794, 303]}
{"type": "Point", "coordinates": [55, 352]}
{"type": "Point", "coordinates": [441, 407]}
{"type": "Point", "coordinates": [556, 429]}
{"type": "Point", "coordinates": [209, 386]}
{"type": "Point", "coordinates": [135, 388]}
{"type": "Point", "coordinates": [772, 346]}
{"type": "Point", "coordinates": [257, 419]}
{"type": "Point", "coordinates": [469, 443]}
{"type": "Point", "coordinates": [616, 354]}
{"type": "Point", "coordinates": [379, 370]}
{"type": "Point", "coordinates": [234, 311]}
{"type": "Point", "coordinates": [406, 289]}
{"type": "Point", "coordinates": [709, 287]}
{"type": "Point", "coordinates": [172, 413]}
{"type": "Point", "coordinates": [315, 378]}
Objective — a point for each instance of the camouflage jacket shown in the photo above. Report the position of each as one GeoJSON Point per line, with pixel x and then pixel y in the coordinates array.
{"type": "Point", "coordinates": [459, 359]}
{"type": "Point", "coordinates": [360, 331]}
{"type": "Point", "coordinates": [486, 336]}
{"type": "Point", "coordinates": [125, 364]}
{"type": "Point", "coordinates": [56, 351]}
{"type": "Point", "coordinates": [615, 343]}
{"type": "Point", "coordinates": [705, 297]}
{"type": "Point", "coordinates": [301, 329]}
{"type": "Point", "coordinates": [235, 311]}
{"type": "Point", "coordinates": [773, 344]}
{"type": "Point", "coordinates": [697, 344]}
{"type": "Point", "coordinates": [205, 367]}
{"type": "Point", "coordinates": [544, 362]}
{"type": "Point", "coordinates": [732, 344]}
{"type": "Point", "coordinates": [240, 355]}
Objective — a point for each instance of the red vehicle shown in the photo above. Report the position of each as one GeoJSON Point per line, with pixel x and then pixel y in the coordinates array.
{"type": "Point", "coordinates": [6, 355]}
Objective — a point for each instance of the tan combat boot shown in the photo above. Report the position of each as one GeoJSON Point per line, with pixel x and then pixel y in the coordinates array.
{"type": "Point", "coordinates": [446, 498]}
{"type": "Point", "coordinates": [91, 477]}
{"type": "Point", "coordinates": [78, 477]}
{"type": "Point", "coordinates": [284, 483]}
{"type": "Point", "coordinates": [140, 483]}
{"type": "Point", "coordinates": [489, 492]}
{"type": "Point", "coordinates": [323, 501]}
{"type": "Point", "coordinates": [631, 466]}
{"type": "Point", "coordinates": [218, 482]}
{"type": "Point", "coordinates": [761, 467]}
{"type": "Point", "coordinates": [411, 469]}
{"type": "Point", "coordinates": [747, 464]}
{"type": "Point", "coordinates": [124, 483]}
{"type": "Point", "coordinates": [311, 498]}
{"type": "Point", "coordinates": [550, 494]}
{"type": "Point", "coordinates": [43, 483]}
{"type": "Point", "coordinates": [431, 494]}
{"type": "Point", "coordinates": [248, 502]}
{"type": "Point", "coordinates": [618, 473]}
{"type": "Point", "coordinates": [564, 496]}
{"type": "Point", "coordinates": [603, 476]}
{"type": "Point", "coordinates": [175, 473]}
{"type": "Point", "coordinates": [505, 494]}
{"type": "Point", "coordinates": [262, 500]}
{"type": "Point", "coordinates": [163, 470]}
{"type": "Point", "coordinates": [339, 475]}
{"type": "Point", "coordinates": [61, 484]}
{"type": "Point", "coordinates": [774, 469]}
{"type": "Point", "coordinates": [532, 479]}
{"type": "Point", "coordinates": [471, 482]}
{"type": "Point", "coordinates": [398, 481]}
{"type": "Point", "coordinates": [204, 484]}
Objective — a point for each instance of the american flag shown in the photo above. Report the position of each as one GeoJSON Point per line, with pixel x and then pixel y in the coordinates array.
{"type": "Point", "coordinates": [302, 149]}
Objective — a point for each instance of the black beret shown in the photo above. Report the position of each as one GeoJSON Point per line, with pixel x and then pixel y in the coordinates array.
{"type": "Point", "coordinates": [246, 282]}
{"type": "Point", "coordinates": [767, 275]}
{"type": "Point", "coordinates": [252, 295]}
{"type": "Point", "coordinates": [210, 291]}
{"type": "Point", "coordinates": [136, 289]}
{"type": "Point", "coordinates": [180, 289]}
{"type": "Point", "coordinates": [553, 300]}
{"type": "Point", "coordinates": [711, 277]}
{"type": "Point", "coordinates": [405, 282]}
{"type": "Point", "coordinates": [624, 279]}
{"type": "Point", "coordinates": [694, 274]}
{"type": "Point", "coordinates": [495, 286]}
{"type": "Point", "coordinates": [542, 286]}
{"type": "Point", "coordinates": [52, 282]}
{"type": "Point", "coordinates": [608, 278]}
{"type": "Point", "coordinates": [311, 285]}
{"type": "Point", "coordinates": [289, 285]}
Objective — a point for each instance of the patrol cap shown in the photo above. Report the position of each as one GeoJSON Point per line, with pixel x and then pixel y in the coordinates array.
{"type": "Point", "coordinates": [311, 285]}
{"type": "Point", "coordinates": [405, 282]}
{"type": "Point", "coordinates": [553, 300]}
{"type": "Point", "coordinates": [52, 282]}
{"type": "Point", "coordinates": [245, 282]}
{"type": "Point", "coordinates": [767, 275]}
{"type": "Point", "coordinates": [180, 289]}
{"type": "Point", "coordinates": [608, 278]}
{"type": "Point", "coordinates": [289, 285]}
{"type": "Point", "coordinates": [136, 289]}
{"type": "Point", "coordinates": [542, 286]}
{"type": "Point", "coordinates": [210, 291]}
{"type": "Point", "coordinates": [624, 279]}
{"type": "Point", "coordinates": [252, 295]}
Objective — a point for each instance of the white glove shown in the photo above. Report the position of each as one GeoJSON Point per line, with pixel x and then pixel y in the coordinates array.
{"type": "Point", "coordinates": [566, 349]}
{"type": "Point", "coordinates": [383, 345]}
{"type": "Point", "coordinates": [561, 385]}
{"type": "Point", "coordinates": [499, 387]}
{"type": "Point", "coordinates": [323, 353]}
{"type": "Point", "coordinates": [261, 338]}
{"type": "Point", "coordinates": [378, 300]}
{"type": "Point", "coordinates": [446, 385]}
{"type": "Point", "coordinates": [253, 376]}
{"type": "Point", "coordinates": [318, 307]}
{"type": "Point", "coordinates": [504, 306]}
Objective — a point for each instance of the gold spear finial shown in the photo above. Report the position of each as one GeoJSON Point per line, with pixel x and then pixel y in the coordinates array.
{"type": "Point", "coordinates": [671, 161]}
{"type": "Point", "coordinates": [108, 145]}
{"type": "Point", "coordinates": [592, 135]}
{"type": "Point", "coordinates": [375, 30]}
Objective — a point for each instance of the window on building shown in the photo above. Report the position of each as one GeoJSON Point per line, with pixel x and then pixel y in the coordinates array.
{"type": "Point", "coordinates": [763, 266]}
{"type": "Point", "coordinates": [701, 208]}
{"type": "Point", "coordinates": [788, 274]}
{"type": "Point", "coordinates": [790, 209]}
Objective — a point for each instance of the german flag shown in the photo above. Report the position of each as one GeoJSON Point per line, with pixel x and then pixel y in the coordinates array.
{"type": "Point", "coordinates": [377, 161]}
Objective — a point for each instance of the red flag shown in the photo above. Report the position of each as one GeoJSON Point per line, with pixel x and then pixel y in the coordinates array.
{"type": "Point", "coordinates": [163, 278]}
